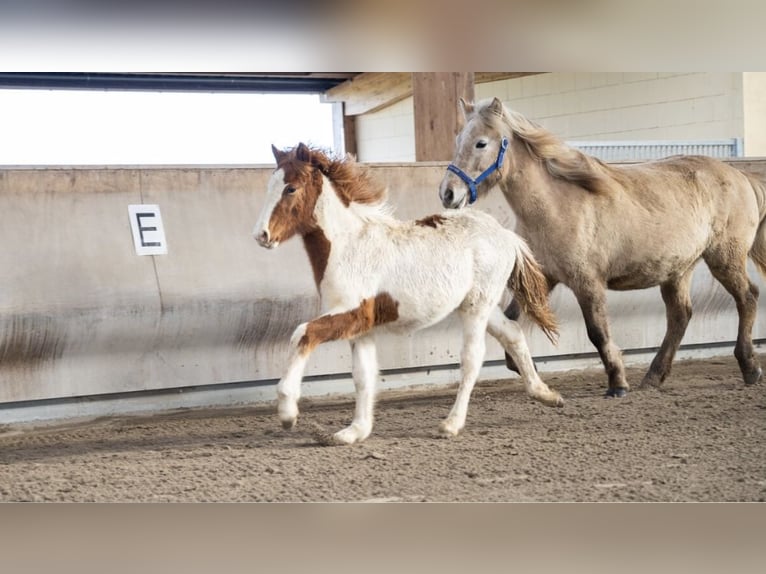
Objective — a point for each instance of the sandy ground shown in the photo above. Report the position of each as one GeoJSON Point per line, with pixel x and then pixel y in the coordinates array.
{"type": "Point", "coordinates": [701, 438]}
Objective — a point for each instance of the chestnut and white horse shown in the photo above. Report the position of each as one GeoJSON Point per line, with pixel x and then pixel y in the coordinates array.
{"type": "Point", "coordinates": [376, 273]}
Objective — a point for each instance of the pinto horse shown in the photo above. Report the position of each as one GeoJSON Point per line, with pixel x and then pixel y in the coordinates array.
{"type": "Point", "coordinates": [595, 227]}
{"type": "Point", "coordinates": [376, 273]}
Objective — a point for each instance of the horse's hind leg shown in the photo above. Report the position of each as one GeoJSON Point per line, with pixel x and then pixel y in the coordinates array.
{"type": "Point", "coordinates": [513, 312]}
{"type": "Point", "coordinates": [510, 335]}
{"type": "Point", "coordinates": [678, 311]}
{"type": "Point", "coordinates": [593, 305]}
{"type": "Point", "coordinates": [731, 272]}
{"type": "Point", "coordinates": [471, 359]}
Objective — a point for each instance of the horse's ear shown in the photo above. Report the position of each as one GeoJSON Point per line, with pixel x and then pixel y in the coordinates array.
{"type": "Point", "coordinates": [466, 108]}
{"type": "Point", "coordinates": [278, 155]}
{"type": "Point", "coordinates": [496, 107]}
{"type": "Point", "coordinates": [303, 153]}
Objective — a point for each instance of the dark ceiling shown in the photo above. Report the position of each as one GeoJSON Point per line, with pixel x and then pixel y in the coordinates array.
{"type": "Point", "coordinates": [257, 82]}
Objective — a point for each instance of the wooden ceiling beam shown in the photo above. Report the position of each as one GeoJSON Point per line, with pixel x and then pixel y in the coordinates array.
{"type": "Point", "coordinates": [372, 91]}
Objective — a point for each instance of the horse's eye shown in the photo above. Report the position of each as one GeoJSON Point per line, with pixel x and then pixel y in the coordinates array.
{"type": "Point", "coordinates": [289, 190]}
{"type": "Point", "coordinates": [481, 144]}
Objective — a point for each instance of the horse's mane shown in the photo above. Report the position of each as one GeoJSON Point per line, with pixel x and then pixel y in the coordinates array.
{"type": "Point", "coordinates": [353, 181]}
{"type": "Point", "coordinates": [561, 161]}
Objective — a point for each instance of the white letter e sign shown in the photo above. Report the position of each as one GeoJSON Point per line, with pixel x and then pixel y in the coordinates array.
{"type": "Point", "coordinates": [148, 231]}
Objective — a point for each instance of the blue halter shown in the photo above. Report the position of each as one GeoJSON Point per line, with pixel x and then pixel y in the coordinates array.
{"type": "Point", "coordinates": [472, 183]}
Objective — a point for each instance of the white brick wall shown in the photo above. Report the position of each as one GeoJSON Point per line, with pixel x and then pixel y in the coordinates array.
{"type": "Point", "coordinates": [628, 105]}
{"type": "Point", "coordinates": [387, 135]}
{"type": "Point", "coordinates": [755, 111]}
{"type": "Point", "coordinates": [598, 106]}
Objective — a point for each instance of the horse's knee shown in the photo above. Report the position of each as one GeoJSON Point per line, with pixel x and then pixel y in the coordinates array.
{"type": "Point", "coordinates": [298, 334]}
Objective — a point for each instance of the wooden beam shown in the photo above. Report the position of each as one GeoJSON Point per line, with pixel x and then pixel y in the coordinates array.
{"type": "Point", "coordinates": [437, 116]}
{"type": "Point", "coordinates": [344, 130]}
{"type": "Point", "coordinates": [370, 91]}
{"type": "Point", "coordinates": [373, 91]}
{"type": "Point", "coordinates": [484, 77]}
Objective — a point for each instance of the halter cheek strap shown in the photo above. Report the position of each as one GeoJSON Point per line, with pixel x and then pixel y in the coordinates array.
{"type": "Point", "coordinates": [473, 183]}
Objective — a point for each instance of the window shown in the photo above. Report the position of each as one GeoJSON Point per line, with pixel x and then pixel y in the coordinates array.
{"type": "Point", "coordinates": [79, 127]}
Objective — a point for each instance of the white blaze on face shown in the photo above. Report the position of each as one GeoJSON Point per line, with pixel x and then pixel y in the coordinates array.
{"type": "Point", "coordinates": [273, 195]}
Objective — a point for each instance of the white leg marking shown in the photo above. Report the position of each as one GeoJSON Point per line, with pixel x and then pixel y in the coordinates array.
{"type": "Point", "coordinates": [471, 359]}
{"type": "Point", "coordinates": [511, 337]}
{"type": "Point", "coordinates": [365, 373]}
{"type": "Point", "coordinates": [289, 388]}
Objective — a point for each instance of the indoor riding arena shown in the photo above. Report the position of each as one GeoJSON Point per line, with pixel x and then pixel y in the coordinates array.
{"type": "Point", "coordinates": [143, 330]}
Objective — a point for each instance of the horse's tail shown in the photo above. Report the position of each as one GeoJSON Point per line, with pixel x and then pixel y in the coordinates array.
{"type": "Point", "coordinates": [758, 249]}
{"type": "Point", "coordinates": [530, 288]}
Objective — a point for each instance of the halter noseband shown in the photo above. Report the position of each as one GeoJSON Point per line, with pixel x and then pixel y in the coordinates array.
{"type": "Point", "coordinates": [472, 183]}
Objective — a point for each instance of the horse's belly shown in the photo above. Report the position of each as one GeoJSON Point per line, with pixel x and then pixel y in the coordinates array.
{"type": "Point", "coordinates": [631, 282]}
{"type": "Point", "coordinates": [649, 273]}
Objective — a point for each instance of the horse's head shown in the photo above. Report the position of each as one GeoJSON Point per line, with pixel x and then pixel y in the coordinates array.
{"type": "Point", "coordinates": [291, 196]}
{"type": "Point", "coordinates": [481, 147]}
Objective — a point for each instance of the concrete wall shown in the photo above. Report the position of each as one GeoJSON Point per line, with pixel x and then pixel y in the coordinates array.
{"type": "Point", "coordinates": [82, 315]}
{"type": "Point", "coordinates": [601, 106]}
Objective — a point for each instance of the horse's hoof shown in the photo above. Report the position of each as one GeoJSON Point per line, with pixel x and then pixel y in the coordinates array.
{"type": "Point", "coordinates": [288, 424]}
{"type": "Point", "coordinates": [650, 381]}
{"type": "Point", "coordinates": [616, 393]}
{"type": "Point", "coordinates": [554, 400]}
{"type": "Point", "coordinates": [447, 431]}
{"type": "Point", "coordinates": [754, 377]}
{"type": "Point", "coordinates": [322, 437]}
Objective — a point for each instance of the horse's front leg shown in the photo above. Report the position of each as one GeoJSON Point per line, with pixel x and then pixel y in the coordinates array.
{"type": "Point", "coordinates": [513, 312]}
{"type": "Point", "coordinates": [339, 325]}
{"type": "Point", "coordinates": [592, 301]}
{"type": "Point", "coordinates": [365, 372]}
{"type": "Point", "coordinates": [289, 387]}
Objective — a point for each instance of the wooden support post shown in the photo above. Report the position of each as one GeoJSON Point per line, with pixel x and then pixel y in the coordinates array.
{"type": "Point", "coordinates": [437, 117]}
{"type": "Point", "coordinates": [344, 130]}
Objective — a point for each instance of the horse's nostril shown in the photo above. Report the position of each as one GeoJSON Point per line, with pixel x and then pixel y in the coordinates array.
{"type": "Point", "coordinates": [263, 237]}
{"type": "Point", "coordinates": [449, 195]}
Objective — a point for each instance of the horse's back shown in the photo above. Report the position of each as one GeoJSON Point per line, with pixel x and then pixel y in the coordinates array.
{"type": "Point", "coordinates": [681, 194]}
{"type": "Point", "coordinates": [656, 220]}
{"type": "Point", "coordinates": [685, 179]}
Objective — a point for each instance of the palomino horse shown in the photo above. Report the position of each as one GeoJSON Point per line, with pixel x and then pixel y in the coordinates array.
{"type": "Point", "coordinates": [595, 227]}
{"type": "Point", "coordinates": [377, 273]}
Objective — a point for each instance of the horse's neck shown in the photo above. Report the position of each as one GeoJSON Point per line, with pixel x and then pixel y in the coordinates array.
{"type": "Point", "coordinates": [528, 186]}
{"type": "Point", "coordinates": [342, 224]}
{"type": "Point", "coordinates": [334, 218]}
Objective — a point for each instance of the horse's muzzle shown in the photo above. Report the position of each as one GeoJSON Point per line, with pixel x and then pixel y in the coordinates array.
{"type": "Point", "coordinates": [447, 196]}
{"type": "Point", "coordinates": [264, 240]}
